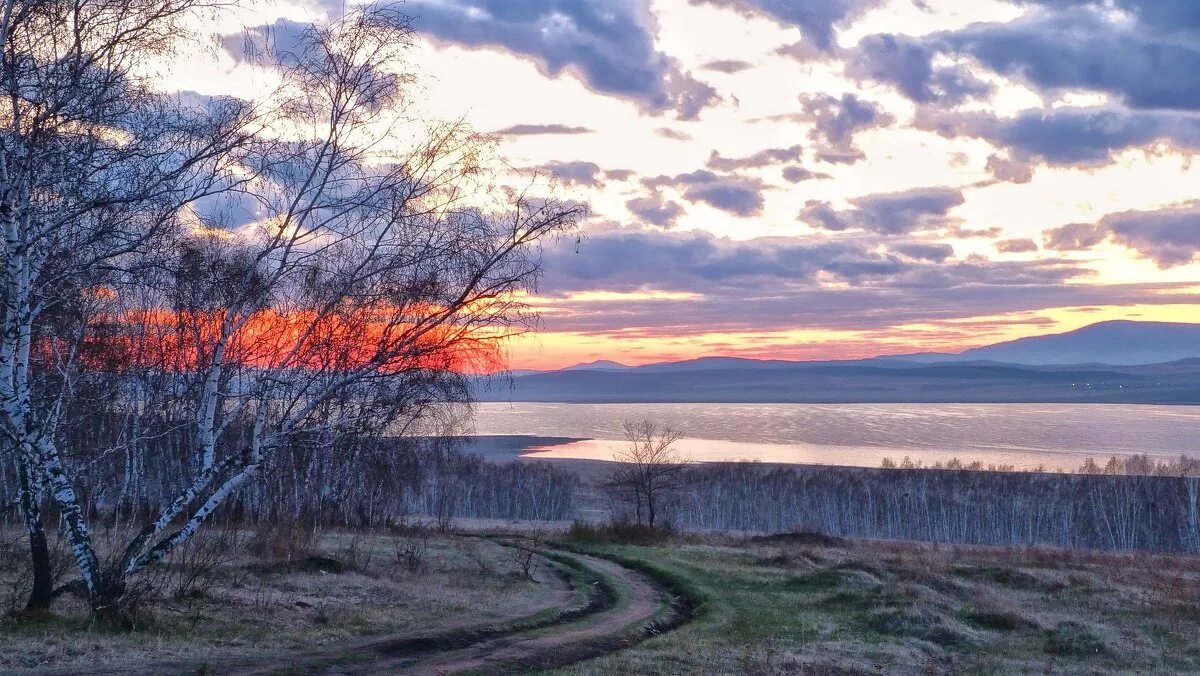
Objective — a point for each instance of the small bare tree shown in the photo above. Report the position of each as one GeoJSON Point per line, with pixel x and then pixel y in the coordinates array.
{"type": "Point", "coordinates": [650, 470]}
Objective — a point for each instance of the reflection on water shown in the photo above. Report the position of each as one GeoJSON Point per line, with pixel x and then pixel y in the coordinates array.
{"type": "Point", "coordinates": [1025, 435]}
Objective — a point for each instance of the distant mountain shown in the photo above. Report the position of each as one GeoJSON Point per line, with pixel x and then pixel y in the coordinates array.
{"type": "Point", "coordinates": [845, 382]}
{"type": "Point", "coordinates": [1118, 343]}
{"type": "Point", "coordinates": [1133, 362]}
{"type": "Point", "coordinates": [598, 365]}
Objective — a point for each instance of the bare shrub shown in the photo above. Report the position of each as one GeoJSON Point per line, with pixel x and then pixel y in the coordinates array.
{"type": "Point", "coordinates": [411, 548]}
{"type": "Point", "coordinates": [18, 577]}
{"type": "Point", "coordinates": [618, 532]}
{"type": "Point", "coordinates": [283, 540]}
{"type": "Point", "coordinates": [525, 551]}
{"type": "Point", "coordinates": [357, 554]}
{"type": "Point", "coordinates": [194, 568]}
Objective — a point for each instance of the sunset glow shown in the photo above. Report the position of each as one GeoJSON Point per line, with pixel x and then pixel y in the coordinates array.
{"type": "Point", "coordinates": [891, 177]}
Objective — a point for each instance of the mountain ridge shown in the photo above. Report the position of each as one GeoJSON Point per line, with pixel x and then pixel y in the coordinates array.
{"type": "Point", "coordinates": [966, 377]}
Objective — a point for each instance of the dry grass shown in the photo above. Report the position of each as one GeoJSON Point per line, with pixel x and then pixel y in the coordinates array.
{"type": "Point", "coordinates": [280, 589]}
{"type": "Point", "coordinates": [811, 605]}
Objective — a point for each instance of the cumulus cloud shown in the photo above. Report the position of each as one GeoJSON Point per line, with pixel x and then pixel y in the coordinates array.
{"type": "Point", "coordinates": [835, 121]}
{"type": "Point", "coordinates": [257, 44]}
{"type": "Point", "coordinates": [1147, 62]}
{"type": "Point", "coordinates": [1142, 54]}
{"type": "Point", "coordinates": [782, 282]}
{"type": "Point", "coordinates": [907, 64]}
{"type": "Point", "coordinates": [1009, 170]}
{"type": "Point", "coordinates": [761, 158]}
{"type": "Point", "coordinates": [608, 43]}
{"type": "Point", "coordinates": [1169, 237]}
{"type": "Point", "coordinates": [1075, 236]}
{"type": "Point", "coordinates": [655, 210]}
{"type": "Point", "coordinates": [1016, 246]}
{"type": "Point", "coordinates": [798, 174]}
{"type": "Point", "coordinates": [741, 199]}
{"type": "Point", "coordinates": [733, 194]}
{"type": "Point", "coordinates": [919, 209]}
{"type": "Point", "coordinates": [924, 251]}
{"type": "Point", "coordinates": [574, 173]}
{"type": "Point", "coordinates": [816, 19]}
{"type": "Point", "coordinates": [1068, 135]}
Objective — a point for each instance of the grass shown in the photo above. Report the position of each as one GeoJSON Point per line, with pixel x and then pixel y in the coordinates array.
{"type": "Point", "coordinates": [341, 586]}
{"type": "Point", "coordinates": [784, 604]}
{"type": "Point", "coordinates": [811, 605]}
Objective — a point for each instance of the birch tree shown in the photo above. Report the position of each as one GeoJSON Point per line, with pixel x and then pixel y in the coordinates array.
{"type": "Point", "coordinates": [94, 165]}
{"type": "Point", "coordinates": [650, 470]}
{"type": "Point", "coordinates": [380, 263]}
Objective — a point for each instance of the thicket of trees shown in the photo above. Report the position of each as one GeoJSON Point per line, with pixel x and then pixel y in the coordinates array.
{"type": "Point", "coordinates": [299, 273]}
{"type": "Point", "coordinates": [1136, 464]}
{"type": "Point", "coordinates": [378, 482]}
{"type": "Point", "coordinates": [1119, 512]}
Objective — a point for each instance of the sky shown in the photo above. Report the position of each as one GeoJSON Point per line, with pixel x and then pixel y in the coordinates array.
{"type": "Point", "coordinates": [825, 179]}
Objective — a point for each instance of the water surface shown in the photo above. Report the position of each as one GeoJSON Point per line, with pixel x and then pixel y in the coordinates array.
{"type": "Point", "coordinates": [1026, 435]}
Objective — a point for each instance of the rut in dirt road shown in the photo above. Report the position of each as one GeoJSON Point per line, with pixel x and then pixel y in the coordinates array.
{"type": "Point", "coordinates": [625, 607]}
{"type": "Point", "coordinates": [639, 602]}
{"type": "Point", "coordinates": [600, 606]}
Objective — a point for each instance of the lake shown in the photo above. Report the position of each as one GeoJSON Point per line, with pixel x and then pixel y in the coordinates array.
{"type": "Point", "coordinates": [1026, 435]}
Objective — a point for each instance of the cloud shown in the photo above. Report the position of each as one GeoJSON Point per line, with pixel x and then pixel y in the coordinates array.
{"type": "Point", "coordinates": [923, 251]}
{"type": "Point", "coordinates": [1016, 246]}
{"type": "Point", "coordinates": [761, 158]}
{"type": "Point", "coordinates": [835, 121]}
{"type": "Point", "coordinates": [1007, 169]}
{"type": "Point", "coordinates": [1147, 56]}
{"type": "Point", "coordinates": [258, 44]}
{"type": "Point", "coordinates": [1143, 54]}
{"type": "Point", "coordinates": [1068, 135]}
{"type": "Point", "coordinates": [1170, 237]}
{"type": "Point", "coordinates": [778, 283]}
{"type": "Point", "coordinates": [736, 198]}
{"type": "Point", "coordinates": [728, 66]}
{"type": "Point", "coordinates": [907, 64]}
{"type": "Point", "coordinates": [229, 210]}
{"type": "Point", "coordinates": [655, 210]}
{"type": "Point", "coordinates": [899, 213]}
{"type": "Point", "coordinates": [816, 19]}
{"type": "Point", "coordinates": [798, 174]}
{"type": "Point", "coordinates": [540, 129]}
{"type": "Point", "coordinates": [608, 44]}
{"type": "Point", "coordinates": [733, 194]}
{"type": "Point", "coordinates": [1075, 236]}
{"type": "Point", "coordinates": [574, 173]}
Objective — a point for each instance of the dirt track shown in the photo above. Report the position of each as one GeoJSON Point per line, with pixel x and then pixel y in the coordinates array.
{"type": "Point", "coordinates": [615, 616]}
{"type": "Point", "coordinates": [599, 606]}
{"type": "Point", "coordinates": [638, 602]}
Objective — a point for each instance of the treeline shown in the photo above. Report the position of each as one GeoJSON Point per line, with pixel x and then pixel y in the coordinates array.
{"type": "Point", "coordinates": [1096, 511]}
{"type": "Point", "coordinates": [347, 483]}
{"type": "Point", "coordinates": [1137, 464]}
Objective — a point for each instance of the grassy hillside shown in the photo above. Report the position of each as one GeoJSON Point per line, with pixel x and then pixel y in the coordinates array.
{"type": "Point", "coordinates": [816, 605]}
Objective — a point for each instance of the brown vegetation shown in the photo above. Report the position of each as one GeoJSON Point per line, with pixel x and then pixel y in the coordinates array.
{"type": "Point", "coordinates": [286, 588]}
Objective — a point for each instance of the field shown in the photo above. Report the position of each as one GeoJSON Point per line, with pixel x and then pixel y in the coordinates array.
{"type": "Point", "coordinates": [810, 604]}
{"type": "Point", "coordinates": [242, 593]}
{"type": "Point", "coordinates": [251, 600]}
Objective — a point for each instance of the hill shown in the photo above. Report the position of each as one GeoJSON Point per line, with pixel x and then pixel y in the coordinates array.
{"type": "Point", "coordinates": [1112, 362]}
